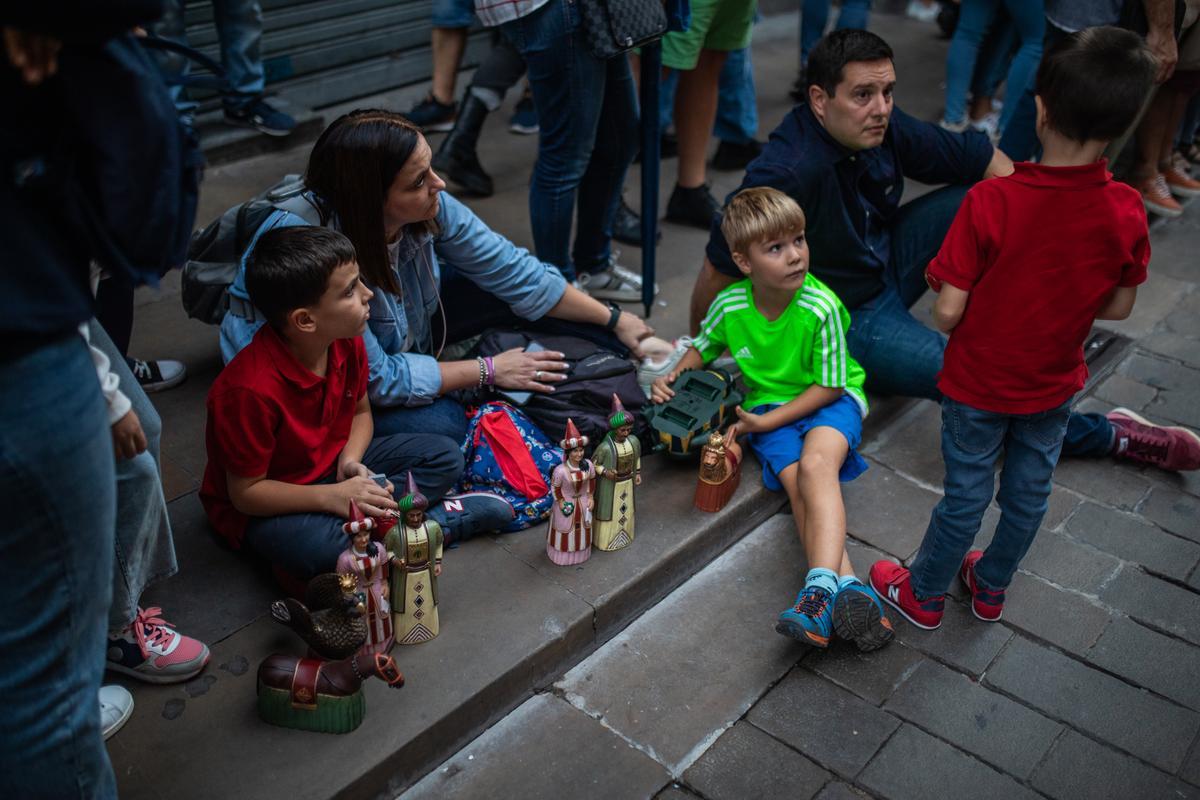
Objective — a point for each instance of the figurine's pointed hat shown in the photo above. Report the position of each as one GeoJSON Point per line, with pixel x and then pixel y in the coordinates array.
{"type": "Point", "coordinates": [356, 521]}
{"type": "Point", "coordinates": [413, 499]}
{"type": "Point", "coordinates": [572, 438]}
{"type": "Point", "coordinates": [617, 415]}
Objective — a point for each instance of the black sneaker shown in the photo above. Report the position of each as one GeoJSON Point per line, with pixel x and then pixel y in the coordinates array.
{"type": "Point", "coordinates": [734, 156]}
{"type": "Point", "coordinates": [157, 376]}
{"type": "Point", "coordinates": [524, 120]}
{"type": "Point", "coordinates": [627, 226]}
{"type": "Point", "coordinates": [694, 207]}
{"type": "Point", "coordinates": [262, 116]}
{"type": "Point", "coordinates": [463, 516]}
{"type": "Point", "coordinates": [431, 114]}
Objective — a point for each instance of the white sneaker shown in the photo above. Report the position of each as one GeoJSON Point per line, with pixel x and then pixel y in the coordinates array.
{"type": "Point", "coordinates": [158, 376]}
{"type": "Point", "coordinates": [922, 12]}
{"type": "Point", "coordinates": [953, 127]}
{"type": "Point", "coordinates": [989, 125]}
{"type": "Point", "coordinates": [613, 283]}
{"type": "Point", "coordinates": [116, 706]}
{"type": "Point", "coordinates": [652, 368]}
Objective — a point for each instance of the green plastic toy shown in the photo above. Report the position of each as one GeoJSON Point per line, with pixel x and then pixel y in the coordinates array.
{"type": "Point", "coordinates": [704, 401]}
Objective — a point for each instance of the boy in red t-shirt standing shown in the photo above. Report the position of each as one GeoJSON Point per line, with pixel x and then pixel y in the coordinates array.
{"type": "Point", "coordinates": [1029, 263]}
{"type": "Point", "coordinates": [290, 435]}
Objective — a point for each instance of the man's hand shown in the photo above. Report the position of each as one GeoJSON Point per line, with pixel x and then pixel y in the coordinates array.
{"type": "Point", "coordinates": [631, 329]}
{"type": "Point", "coordinates": [128, 437]}
{"type": "Point", "coordinates": [1161, 42]}
{"type": "Point", "coordinates": [34, 54]}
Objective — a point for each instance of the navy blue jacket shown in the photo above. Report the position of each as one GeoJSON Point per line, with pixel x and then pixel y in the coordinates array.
{"type": "Point", "coordinates": [850, 198]}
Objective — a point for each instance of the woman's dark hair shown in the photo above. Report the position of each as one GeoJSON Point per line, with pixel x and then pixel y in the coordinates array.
{"type": "Point", "coordinates": [830, 56]}
{"type": "Point", "coordinates": [351, 168]}
{"type": "Point", "coordinates": [1093, 82]}
{"type": "Point", "coordinates": [289, 268]}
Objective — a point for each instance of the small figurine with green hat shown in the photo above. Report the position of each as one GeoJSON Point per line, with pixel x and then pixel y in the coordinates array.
{"type": "Point", "coordinates": [618, 460]}
{"type": "Point", "coordinates": [416, 547]}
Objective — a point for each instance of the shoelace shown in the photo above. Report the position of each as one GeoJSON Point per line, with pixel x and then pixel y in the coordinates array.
{"type": "Point", "coordinates": [1147, 444]}
{"type": "Point", "coordinates": [1159, 186]}
{"type": "Point", "coordinates": [812, 603]}
{"type": "Point", "coordinates": [141, 370]}
{"type": "Point", "coordinates": [150, 629]}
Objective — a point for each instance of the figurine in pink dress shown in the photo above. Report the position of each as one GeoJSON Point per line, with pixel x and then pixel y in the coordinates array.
{"type": "Point", "coordinates": [569, 536]}
{"type": "Point", "coordinates": [367, 562]}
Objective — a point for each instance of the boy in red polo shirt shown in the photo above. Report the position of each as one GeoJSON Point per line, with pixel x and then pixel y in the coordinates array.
{"type": "Point", "coordinates": [1029, 263]}
{"type": "Point", "coordinates": [289, 433]}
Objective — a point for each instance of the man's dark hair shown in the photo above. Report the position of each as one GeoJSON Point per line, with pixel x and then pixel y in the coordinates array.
{"type": "Point", "coordinates": [289, 268]}
{"type": "Point", "coordinates": [828, 59]}
{"type": "Point", "coordinates": [1093, 83]}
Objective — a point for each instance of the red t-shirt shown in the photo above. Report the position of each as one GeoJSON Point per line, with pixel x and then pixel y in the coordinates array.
{"type": "Point", "coordinates": [1040, 252]}
{"type": "Point", "coordinates": [269, 415]}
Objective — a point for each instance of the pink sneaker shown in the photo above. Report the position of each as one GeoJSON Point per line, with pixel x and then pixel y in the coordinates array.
{"type": "Point", "coordinates": [1164, 446]}
{"type": "Point", "coordinates": [150, 650]}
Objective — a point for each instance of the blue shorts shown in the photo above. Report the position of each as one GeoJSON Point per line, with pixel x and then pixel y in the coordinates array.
{"type": "Point", "coordinates": [453, 13]}
{"type": "Point", "coordinates": [781, 447]}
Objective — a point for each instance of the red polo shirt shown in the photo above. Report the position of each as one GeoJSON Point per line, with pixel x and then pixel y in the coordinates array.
{"type": "Point", "coordinates": [269, 415]}
{"type": "Point", "coordinates": [1040, 252]}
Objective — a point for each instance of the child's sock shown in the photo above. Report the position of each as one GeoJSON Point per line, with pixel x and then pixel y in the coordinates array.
{"type": "Point", "coordinates": [826, 579]}
{"type": "Point", "coordinates": [846, 580]}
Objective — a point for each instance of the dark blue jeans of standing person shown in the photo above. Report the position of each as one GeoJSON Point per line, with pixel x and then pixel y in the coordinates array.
{"type": "Point", "coordinates": [1019, 140]}
{"type": "Point", "coordinates": [59, 495]}
{"type": "Point", "coordinates": [308, 544]}
{"type": "Point", "coordinates": [902, 356]}
{"type": "Point", "coordinates": [972, 441]}
{"type": "Point", "coordinates": [587, 111]}
{"type": "Point", "coordinates": [814, 16]}
{"type": "Point", "coordinates": [239, 29]}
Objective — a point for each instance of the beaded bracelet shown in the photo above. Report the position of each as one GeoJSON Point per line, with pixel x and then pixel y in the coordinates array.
{"type": "Point", "coordinates": [482, 371]}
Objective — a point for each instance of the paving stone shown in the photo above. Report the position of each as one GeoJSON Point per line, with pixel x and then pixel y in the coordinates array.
{"type": "Point", "coordinates": [539, 749]}
{"type": "Point", "coordinates": [943, 771]}
{"type": "Point", "coordinates": [702, 633]}
{"type": "Point", "coordinates": [1148, 658]}
{"type": "Point", "coordinates": [872, 676]}
{"type": "Point", "coordinates": [1157, 297]}
{"type": "Point", "coordinates": [1191, 768]}
{"type": "Point", "coordinates": [1130, 537]}
{"type": "Point", "coordinates": [914, 447]}
{"type": "Point", "coordinates": [1047, 612]}
{"type": "Point", "coordinates": [1079, 767]}
{"type": "Point", "coordinates": [888, 511]}
{"type": "Point", "coordinates": [1068, 563]}
{"type": "Point", "coordinates": [1099, 704]}
{"type": "Point", "coordinates": [745, 762]}
{"type": "Point", "coordinates": [1171, 345]}
{"type": "Point", "coordinates": [1102, 479]}
{"type": "Point", "coordinates": [1155, 602]}
{"type": "Point", "coordinates": [1174, 510]}
{"type": "Point", "coordinates": [675, 792]}
{"type": "Point", "coordinates": [963, 642]}
{"type": "Point", "coordinates": [950, 705]}
{"type": "Point", "coordinates": [836, 790]}
{"type": "Point", "coordinates": [851, 730]}
{"type": "Point", "coordinates": [1159, 373]}
{"type": "Point", "coordinates": [1122, 391]}
{"type": "Point", "coordinates": [1181, 407]}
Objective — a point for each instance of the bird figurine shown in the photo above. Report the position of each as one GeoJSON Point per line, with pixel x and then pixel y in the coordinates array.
{"type": "Point", "coordinates": [331, 620]}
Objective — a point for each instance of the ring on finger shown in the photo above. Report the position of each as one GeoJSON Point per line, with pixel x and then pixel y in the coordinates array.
{"type": "Point", "coordinates": [537, 376]}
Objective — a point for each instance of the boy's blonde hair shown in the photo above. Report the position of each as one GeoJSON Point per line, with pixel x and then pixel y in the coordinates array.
{"type": "Point", "coordinates": [758, 215]}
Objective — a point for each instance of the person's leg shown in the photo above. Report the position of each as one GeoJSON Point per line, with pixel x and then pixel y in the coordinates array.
{"type": "Point", "coordinates": [995, 54]}
{"type": "Point", "coordinates": [1031, 449]}
{"type": "Point", "coordinates": [853, 15]}
{"type": "Point", "coordinates": [1029, 21]}
{"type": "Point", "coordinates": [434, 461]}
{"type": "Point", "coordinates": [974, 19]}
{"type": "Point", "coordinates": [917, 233]}
{"type": "Point", "coordinates": [56, 549]}
{"type": "Point", "coordinates": [1088, 436]}
{"type": "Point", "coordinates": [239, 28]}
{"type": "Point", "coordinates": [448, 45]}
{"type": "Point", "coordinates": [1019, 139]}
{"type": "Point", "coordinates": [114, 311]}
{"type": "Point", "coordinates": [814, 16]}
{"type": "Point", "coordinates": [499, 72]}
{"type": "Point", "coordinates": [695, 111]}
{"type": "Point", "coordinates": [899, 354]}
{"type": "Point", "coordinates": [443, 417]}
{"type": "Point", "coordinates": [737, 108]}
{"type": "Point", "coordinates": [825, 450]}
{"type": "Point", "coordinates": [303, 545]}
{"type": "Point", "coordinates": [173, 66]}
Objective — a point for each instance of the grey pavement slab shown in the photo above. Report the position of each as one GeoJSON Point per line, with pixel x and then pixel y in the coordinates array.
{"type": "Point", "coordinates": [1174, 510]}
{"type": "Point", "coordinates": [831, 726]}
{"type": "Point", "coordinates": [1123, 391]}
{"type": "Point", "coordinates": [1160, 373]}
{"type": "Point", "coordinates": [943, 771]}
{"type": "Point", "coordinates": [963, 642]}
{"type": "Point", "coordinates": [1094, 702]}
{"type": "Point", "coordinates": [745, 762]}
{"type": "Point", "coordinates": [1177, 407]}
{"type": "Point", "coordinates": [1157, 297]}
{"type": "Point", "coordinates": [1096, 478]}
{"type": "Point", "coordinates": [837, 790]}
{"type": "Point", "coordinates": [1080, 767]}
{"type": "Point", "coordinates": [1160, 663]}
{"type": "Point", "coordinates": [1191, 767]}
{"type": "Point", "coordinates": [716, 631]}
{"type": "Point", "coordinates": [1069, 564]}
{"type": "Point", "coordinates": [887, 511]}
{"type": "Point", "coordinates": [1170, 344]}
{"type": "Point", "coordinates": [539, 750]}
{"type": "Point", "coordinates": [912, 445]}
{"type": "Point", "coordinates": [1155, 602]}
{"type": "Point", "coordinates": [1052, 614]}
{"type": "Point", "coordinates": [1130, 537]}
{"type": "Point", "coordinates": [675, 792]}
{"type": "Point", "coordinates": [872, 676]}
{"type": "Point", "coordinates": [948, 704]}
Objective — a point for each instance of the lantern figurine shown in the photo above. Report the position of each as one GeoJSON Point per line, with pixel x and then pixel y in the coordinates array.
{"type": "Point", "coordinates": [720, 471]}
{"type": "Point", "coordinates": [415, 545]}
{"type": "Point", "coordinates": [569, 534]}
{"type": "Point", "coordinates": [367, 562]}
{"type": "Point", "coordinates": [618, 460]}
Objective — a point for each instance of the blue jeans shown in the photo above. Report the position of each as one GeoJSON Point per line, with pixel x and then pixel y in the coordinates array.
{"type": "Point", "coordinates": [737, 108]}
{"type": "Point", "coordinates": [814, 16]}
{"type": "Point", "coordinates": [308, 544]}
{"type": "Point", "coordinates": [56, 549]}
{"type": "Point", "coordinates": [452, 13]}
{"type": "Point", "coordinates": [1028, 18]}
{"type": "Point", "coordinates": [239, 29]}
{"type": "Point", "coordinates": [144, 551]}
{"type": "Point", "coordinates": [972, 441]}
{"type": "Point", "coordinates": [445, 416]}
{"type": "Point", "coordinates": [900, 355]}
{"type": "Point", "coordinates": [1019, 140]}
{"type": "Point", "coordinates": [587, 111]}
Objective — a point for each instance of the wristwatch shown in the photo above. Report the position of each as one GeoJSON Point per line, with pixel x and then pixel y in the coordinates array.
{"type": "Point", "coordinates": [616, 316]}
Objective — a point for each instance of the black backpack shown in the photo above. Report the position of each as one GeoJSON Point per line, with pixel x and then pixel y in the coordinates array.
{"type": "Point", "coordinates": [215, 252]}
{"type": "Point", "coordinates": [594, 375]}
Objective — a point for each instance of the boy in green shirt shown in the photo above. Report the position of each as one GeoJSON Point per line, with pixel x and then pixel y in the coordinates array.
{"type": "Point", "coordinates": [786, 330]}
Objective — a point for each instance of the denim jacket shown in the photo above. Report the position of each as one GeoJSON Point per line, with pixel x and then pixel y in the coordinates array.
{"type": "Point", "coordinates": [398, 339]}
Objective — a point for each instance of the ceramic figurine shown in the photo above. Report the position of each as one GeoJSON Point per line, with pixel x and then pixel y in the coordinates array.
{"type": "Point", "coordinates": [720, 472]}
{"type": "Point", "coordinates": [416, 547]}
{"type": "Point", "coordinates": [569, 534]}
{"type": "Point", "coordinates": [366, 561]}
{"type": "Point", "coordinates": [332, 618]}
{"type": "Point", "coordinates": [618, 460]}
{"type": "Point", "coordinates": [314, 695]}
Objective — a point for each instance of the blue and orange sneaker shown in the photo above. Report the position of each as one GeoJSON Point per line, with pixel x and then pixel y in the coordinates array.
{"type": "Point", "coordinates": [858, 617]}
{"type": "Point", "coordinates": [811, 619]}
{"type": "Point", "coordinates": [986, 604]}
{"type": "Point", "coordinates": [893, 583]}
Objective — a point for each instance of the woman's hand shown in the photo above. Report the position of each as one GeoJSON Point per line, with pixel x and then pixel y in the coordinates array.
{"type": "Point", "coordinates": [631, 329]}
{"type": "Point", "coordinates": [531, 372]}
{"type": "Point", "coordinates": [372, 499]}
